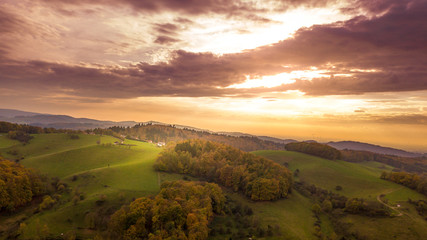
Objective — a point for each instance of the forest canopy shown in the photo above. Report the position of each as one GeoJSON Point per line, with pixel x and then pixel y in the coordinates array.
{"type": "Point", "coordinates": [18, 185]}
{"type": "Point", "coordinates": [258, 178]}
{"type": "Point", "coordinates": [182, 210]}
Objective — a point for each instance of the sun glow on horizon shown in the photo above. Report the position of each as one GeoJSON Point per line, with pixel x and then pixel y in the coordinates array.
{"type": "Point", "coordinates": [279, 79]}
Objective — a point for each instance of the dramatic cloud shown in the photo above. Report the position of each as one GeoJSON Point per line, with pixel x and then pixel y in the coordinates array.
{"type": "Point", "coordinates": [378, 54]}
{"type": "Point", "coordinates": [197, 7]}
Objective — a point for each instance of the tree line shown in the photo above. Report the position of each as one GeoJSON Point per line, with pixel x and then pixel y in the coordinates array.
{"type": "Point", "coordinates": [322, 150]}
{"type": "Point", "coordinates": [21, 132]}
{"type": "Point", "coordinates": [402, 163]}
{"type": "Point", "coordinates": [18, 185]}
{"type": "Point", "coordinates": [182, 210]}
{"type": "Point", "coordinates": [410, 180]}
{"type": "Point", "coordinates": [258, 178]}
{"type": "Point", "coordinates": [316, 149]}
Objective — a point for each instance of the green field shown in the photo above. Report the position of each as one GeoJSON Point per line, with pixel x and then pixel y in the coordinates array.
{"type": "Point", "coordinates": [49, 144]}
{"type": "Point", "coordinates": [359, 180]}
{"type": "Point", "coordinates": [115, 173]}
{"type": "Point", "coordinates": [5, 142]}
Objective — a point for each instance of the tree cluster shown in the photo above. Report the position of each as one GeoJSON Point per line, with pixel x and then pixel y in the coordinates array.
{"type": "Point", "coordinates": [368, 208]}
{"type": "Point", "coordinates": [20, 136]}
{"type": "Point", "coordinates": [170, 133]}
{"type": "Point", "coordinates": [239, 222]}
{"type": "Point", "coordinates": [182, 210]}
{"type": "Point", "coordinates": [328, 201]}
{"type": "Point", "coordinates": [320, 195]}
{"type": "Point", "coordinates": [18, 185]}
{"type": "Point", "coordinates": [258, 178]}
{"type": "Point", "coordinates": [410, 180]}
{"type": "Point", "coordinates": [336, 207]}
{"type": "Point", "coordinates": [421, 207]}
{"type": "Point", "coordinates": [316, 149]}
{"type": "Point", "coordinates": [403, 163]}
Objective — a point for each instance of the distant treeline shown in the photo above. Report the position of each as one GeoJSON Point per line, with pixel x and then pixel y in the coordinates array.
{"type": "Point", "coordinates": [257, 177]}
{"type": "Point", "coordinates": [402, 163]}
{"type": "Point", "coordinates": [21, 132]}
{"type": "Point", "coordinates": [18, 185]}
{"type": "Point", "coordinates": [316, 149]}
{"type": "Point", "coordinates": [163, 133]}
{"type": "Point", "coordinates": [410, 180]}
{"type": "Point", "coordinates": [5, 127]}
{"type": "Point", "coordinates": [328, 152]}
{"type": "Point", "coordinates": [182, 210]}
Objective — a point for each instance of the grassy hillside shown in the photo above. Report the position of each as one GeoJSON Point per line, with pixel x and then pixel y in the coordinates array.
{"type": "Point", "coordinates": [293, 216]}
{"type": "Point", "coordinates": [5, 142]}
{"type": "Point", "coordinates": [45, 144]}
{"type": "Point", "coordinates": [112, 174]}
{"type": "Point", "coordinates": [359, 180]}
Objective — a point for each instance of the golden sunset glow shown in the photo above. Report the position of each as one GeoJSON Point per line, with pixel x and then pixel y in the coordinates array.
{"type": "Point", "coordinates": [323, 70]}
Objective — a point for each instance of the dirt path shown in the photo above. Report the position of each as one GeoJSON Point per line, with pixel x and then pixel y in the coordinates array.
{"type": "Point", "coordinates": [394, 208]}
{"type": "Point", "coordinates": [385, 204]}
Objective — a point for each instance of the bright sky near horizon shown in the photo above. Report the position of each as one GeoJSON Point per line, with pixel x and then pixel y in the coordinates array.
{"type": "Point", "coordinates": [323, 70]}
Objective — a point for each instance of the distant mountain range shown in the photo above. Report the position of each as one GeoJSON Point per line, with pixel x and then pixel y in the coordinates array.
{"type": "Point", "coordinates": [68, 122]}
{"type": "Point", "coordinates": [57, 121]}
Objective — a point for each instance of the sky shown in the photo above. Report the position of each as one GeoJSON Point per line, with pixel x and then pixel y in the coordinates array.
{"type": "Point", "coordinates": [326, 70]}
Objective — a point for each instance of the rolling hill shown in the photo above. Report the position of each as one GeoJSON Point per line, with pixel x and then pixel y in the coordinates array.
{"type": "Point", "coordinates": [113, 173]}
{"type": "Point", "coordinates": [359, 146]}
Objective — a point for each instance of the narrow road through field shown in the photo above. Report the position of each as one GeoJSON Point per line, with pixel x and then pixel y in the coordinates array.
{"type": "Point", "coordinates": [394, 208]}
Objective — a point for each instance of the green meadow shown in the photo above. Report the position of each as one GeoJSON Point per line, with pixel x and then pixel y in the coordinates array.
{"type": "Point", "coordinates": [357, 180]}
{"type": "Point", "coordinates": [363, 181]}
{"type": "Point", "coordinates": [94, 168]}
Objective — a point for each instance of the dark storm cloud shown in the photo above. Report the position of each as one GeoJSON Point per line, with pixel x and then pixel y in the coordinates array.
{"type": "Point", "coordinates": [393, 45]}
